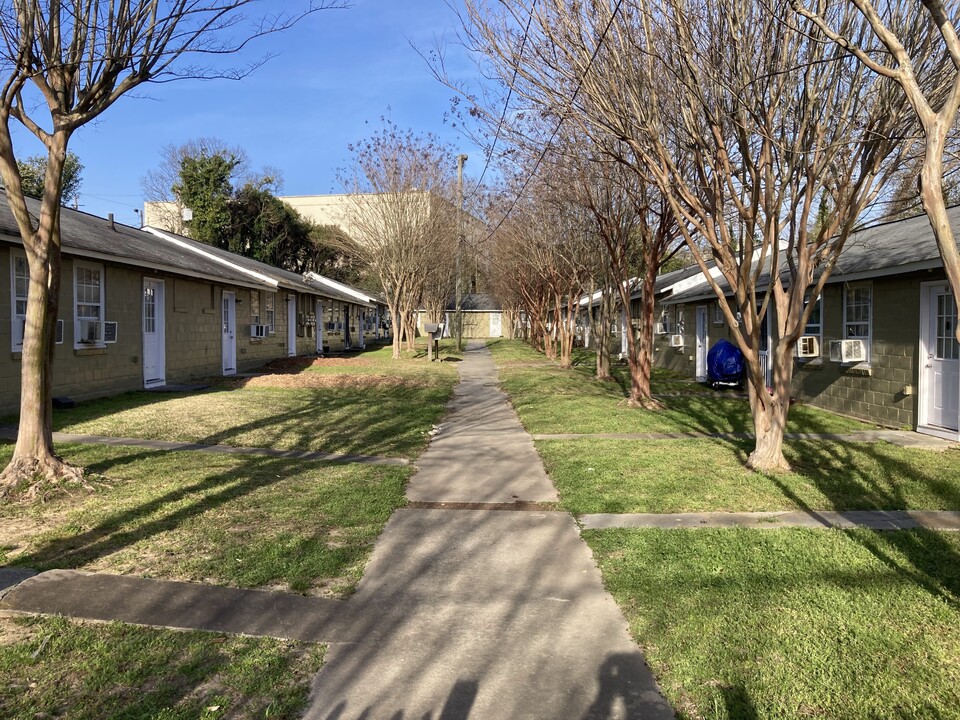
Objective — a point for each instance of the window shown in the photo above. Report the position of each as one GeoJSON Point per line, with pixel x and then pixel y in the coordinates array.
{"type": "Point", "coordinates": [254, 307]}
{"type": "Point", "coordinates": [268, 311]}
{"type": "Point", "coordinates": [88, 305]}
{"type": "Point", "coordinates": [678, 326]}
{"type": "Point", "coordinates": [19, 287]}
{"type": "Point", "coordinates": [717, 314]}
{"type": "Point", "coordinates": [814, 325]}
{"type": "Point", "coordinates": [947, 347]}
{"type": "Point", "coordinates": [857, 311]}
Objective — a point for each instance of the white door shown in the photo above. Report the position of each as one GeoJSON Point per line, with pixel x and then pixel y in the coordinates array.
{"type": "Point", "coordinates": [320, 325]}
{"type": "Point", "coordinates": [940, 360]}
{"type": "Point", "coordinates": [154, 354]}
{"type": "Point", "coordinates": [701, 343]}
{"type": "Point", "coordinates": [495, 327]}
{"type": "Point", "coordinates": [291, 325]}
{"type": "Point", "coordinates": [228, 316]}
{"type": "Point", "coordinates": [362, 330]}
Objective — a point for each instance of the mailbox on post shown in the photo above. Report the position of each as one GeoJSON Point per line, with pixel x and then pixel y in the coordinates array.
{"type": "Point", "coordinates": [435, 331]}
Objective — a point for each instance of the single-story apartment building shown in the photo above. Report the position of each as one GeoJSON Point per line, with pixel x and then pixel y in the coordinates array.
{"type": "Point", "coordinates": [880, 343]}
{"type": "Point", "coordinates": [141, 308]}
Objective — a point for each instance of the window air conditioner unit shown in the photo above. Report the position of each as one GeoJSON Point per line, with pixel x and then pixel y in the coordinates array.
{"type": "Point", "coordinates": [676, 341]}
{"type": "Point", "coordinates": [110, 332]}
{"type": "Point", "coordinates": [259, 331]}
{"type": "Point", "coordinates": [89, 332]}
{"type": "Point", "coordinates": [662, 328]}
{"type": "Point", "coordinates": [808, 347]}
{"type": "Point", "coordinates": [847, 351]}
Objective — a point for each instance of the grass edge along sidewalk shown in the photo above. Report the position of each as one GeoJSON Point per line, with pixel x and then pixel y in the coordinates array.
{"type": "Point", "coordinates": [738, 623]}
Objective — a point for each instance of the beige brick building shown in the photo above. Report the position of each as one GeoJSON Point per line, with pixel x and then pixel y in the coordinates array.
{"type": "Point", "coordinates": [880, 343]}
{"type": "Point", "coordinates": [146, 308]}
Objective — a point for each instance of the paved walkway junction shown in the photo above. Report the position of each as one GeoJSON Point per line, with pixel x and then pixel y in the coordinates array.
{"type": "Point", "coordinates": [464, 610]}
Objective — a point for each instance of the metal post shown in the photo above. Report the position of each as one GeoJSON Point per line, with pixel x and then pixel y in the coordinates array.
{"type": "Point", "coordinates": [461, 159]}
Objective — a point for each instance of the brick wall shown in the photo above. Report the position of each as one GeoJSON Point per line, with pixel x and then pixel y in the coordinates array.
{"type": "Point", "coordinates": [193, 338]}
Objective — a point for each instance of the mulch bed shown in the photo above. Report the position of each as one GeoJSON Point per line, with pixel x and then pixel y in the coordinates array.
{"type": "Point", "coordinates": [316, 381]}
{"type": "Point", "coordinates": [298, 364]}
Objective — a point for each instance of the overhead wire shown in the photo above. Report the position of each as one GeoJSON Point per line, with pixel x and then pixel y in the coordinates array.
{"type": "Point", "coordinates": [506, 104]}
{"type": "Point", "coordinates": [556, 130]}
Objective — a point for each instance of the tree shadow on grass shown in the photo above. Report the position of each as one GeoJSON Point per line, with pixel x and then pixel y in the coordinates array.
{"type": "Point", "coordinates": [379, 420]}
{"type": "Point", "coordinates": [925, 557]}
{"type": "Point", "coordinates": [169, 511]}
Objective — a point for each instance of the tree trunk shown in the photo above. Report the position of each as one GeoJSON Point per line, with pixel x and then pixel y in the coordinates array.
{"type": "Point", "coordinates": [640, 351]}
{"type": "Point", "coordinates": [396, 318]}
{"type": "Point", "coordinates": [935, 206]}
{"type": "Point", "coordinates": [770, 414]}
{"type": "Point", "coordinates": [598, 325]}
{"type": "Point", "coordinates": [33, 456]}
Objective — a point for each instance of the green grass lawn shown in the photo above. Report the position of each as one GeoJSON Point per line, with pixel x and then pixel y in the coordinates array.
{"type": "Point", "coordinates": [241, 521]}
{"type": "Point", "coordinates": [551, 400]}
{"type": "Point", "coordinates": [667, 476]}
{"type": "Point", "coordinates": [793, 623]}
{"type": "Point", "coordinates": [365, 404]}
{"type": "Point", "coordinates": [53, 667]}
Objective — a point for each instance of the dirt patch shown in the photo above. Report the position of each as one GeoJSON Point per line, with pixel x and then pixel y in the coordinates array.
{"type": "Point", "coordinates": [298, 364]}
{"type": "Point", "coordinates": [16, 532]}
{"type": "Point", "coordinates": [316, 381]}
{"type": "Point", "coordinates": [16, 631]}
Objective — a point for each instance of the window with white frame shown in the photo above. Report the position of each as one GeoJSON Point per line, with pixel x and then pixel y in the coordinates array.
{"type": "Point", "coordinates": [678, 316]}
{"type": "Point", "coordinates": [814, 325]}
{"type": "Point", "coordinates": [268, 314]}
{"type": "Point", "coordinates": [254, 307]}
{"type": "Point", "coordinates": [19, 287]}
{"type": "Point", "coordinates": [88, 305]}
{"type": "Point", "coordinates": [858, 313]}
{"type": "Point", "coordinates": [717, 314]}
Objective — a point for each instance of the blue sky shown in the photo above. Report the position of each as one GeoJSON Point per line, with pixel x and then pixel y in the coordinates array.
{"type": "Point", "coordinates": [335, 71]}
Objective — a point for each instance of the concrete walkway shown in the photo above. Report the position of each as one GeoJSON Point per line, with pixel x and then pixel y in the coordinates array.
{"type": "Point", "coordinates": [478, 613]}
{"type": "Point", "coordinates": [10, 433]}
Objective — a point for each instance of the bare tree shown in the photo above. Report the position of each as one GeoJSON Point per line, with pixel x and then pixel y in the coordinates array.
{"type": "Point", "coordinates": [742, 119]}
{"type": "Point", "coordinates": [921, 53]}
{"type": "Point", "coordinates": [399, 216]}
{"type": "Point", "coordinates": [64, 64]}
{"type": "Point", "coordinates": [637, 233]}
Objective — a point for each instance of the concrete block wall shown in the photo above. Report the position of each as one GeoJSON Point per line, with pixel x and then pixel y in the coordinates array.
{"type": "Point", "coordinates": [874, 393]}
{"type": "Point", "coordinates": [884, 392]}
{"type": "Point", "coordinates": [193, 334]}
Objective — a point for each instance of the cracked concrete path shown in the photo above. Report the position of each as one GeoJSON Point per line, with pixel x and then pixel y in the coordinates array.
{"type": "Point", "coordinates": [479, 613]}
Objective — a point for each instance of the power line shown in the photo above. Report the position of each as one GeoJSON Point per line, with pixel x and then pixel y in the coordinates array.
{"type": "Point", "coordinates": [506, 105]}
{"type": "Point", "coordinates": [553, 135]}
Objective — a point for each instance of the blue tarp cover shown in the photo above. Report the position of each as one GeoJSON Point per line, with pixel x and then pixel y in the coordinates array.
{"type": "Point", "coordinates": [725, 363]}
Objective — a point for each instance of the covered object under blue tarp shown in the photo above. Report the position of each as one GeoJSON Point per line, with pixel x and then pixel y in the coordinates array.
{"type": "Point", "coordinates": [725, 364]}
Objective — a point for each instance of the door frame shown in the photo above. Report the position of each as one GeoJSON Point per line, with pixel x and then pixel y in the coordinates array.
{"type": "Point", "coordinates": [291, 325]}
{"type": "Point", "coordinates": [702, 341]}
{"type": "Point", "coordinates": [318, 308]}
{"type": "Point", "coordinates": [231, 332]}
{"type": "Point", "coordinates": [924, 348]}
{"type": "Point", "coordinates": [161, 331]}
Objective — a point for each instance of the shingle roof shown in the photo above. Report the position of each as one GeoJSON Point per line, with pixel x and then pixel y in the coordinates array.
{"type": "Point", "coordinates": [894, 247]}
{"type": "Point", "coordinates": [89, 235]}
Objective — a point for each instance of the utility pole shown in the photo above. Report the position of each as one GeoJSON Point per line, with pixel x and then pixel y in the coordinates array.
{"type": "Point", "coordinates": [461, 160]}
